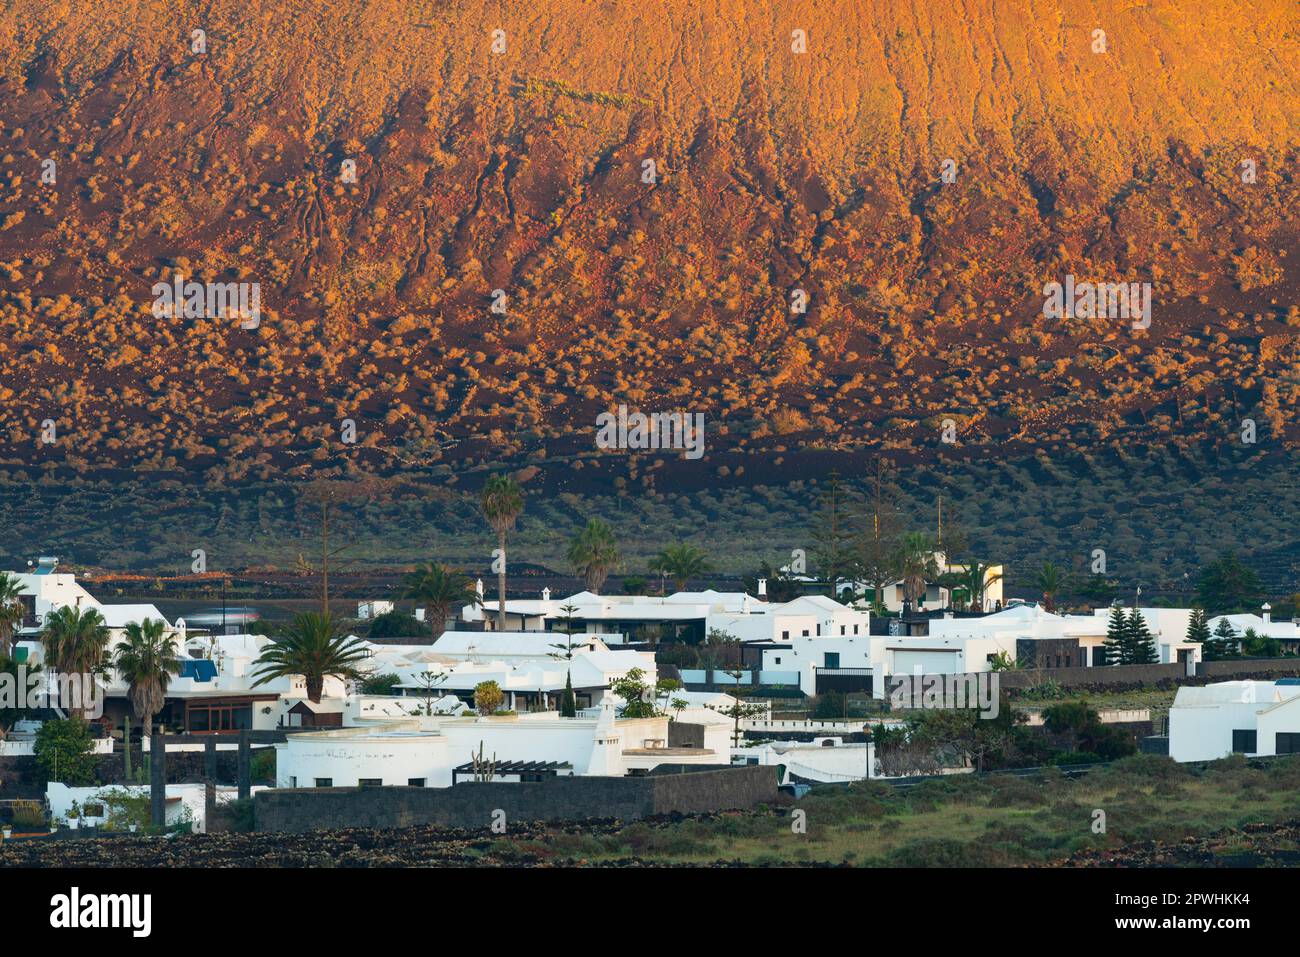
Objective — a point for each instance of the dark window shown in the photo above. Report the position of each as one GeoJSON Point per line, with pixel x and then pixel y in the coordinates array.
{"type": "Point", "coordinates": [1244, 742]}
{"type": "Point", "coordinates": [370, 782]}
{"type": "Point", "coordinates": [832, 659]}
{"type": "Point", "coordinates": [776, 661]}
{"type": "Point", "coordinates": [415, 782]}
{"type": "Point", "coordinates": [805, 632]}
{"type": "Point", "coordinates": [785, 636]}
{"type": "Point", "coordinates": [324, 782]}
{"type": "Point", "coordinates": [1288, 742]}
{"type": "Point", "coordinates": [855, 629]}
{"type": "Point", "coordinates": [201, 718]}
{"type": "Point", "coordinates": [841, 629]}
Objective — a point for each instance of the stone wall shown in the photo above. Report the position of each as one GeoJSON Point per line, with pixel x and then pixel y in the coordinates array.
{"type": "Point", "coordinates": [1116, 676]}
{"type": "Point", "coordinates": [1120, 677]}
{"type": "Point", "coordinates": [683, 734]}
{"type": "Point", "coordinates": [472, 805]}
{"type": "Point", "coordinates": [21, 778]}
{"type": "Point", "coordinates": [1253, 668]}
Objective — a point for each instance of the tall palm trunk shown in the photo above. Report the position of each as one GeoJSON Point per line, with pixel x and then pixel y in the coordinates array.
{"type": "Point", "coordinates": [501, 582]}
{"type": "Point", "coordinates": [439, 615]}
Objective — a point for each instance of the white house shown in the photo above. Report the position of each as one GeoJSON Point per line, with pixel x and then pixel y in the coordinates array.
{"type": "Point", "coordinates": [440, 752]}
{"type": "Point", "coordinates": [44, 590]}
{"type": "Point", "coordinates": [531, 668]}
{"type": "Point", "coordinates": [183, 803]}
{"type": "Point", "coordinates": [1168, 627]}
{"type": "Point", "coordinates": [893, 594]}
{"type": "Point", "coordinates": [685, 614]}
{"type": "Point", "coordinates": [373, 609]}
{"type": "Point", "coordinates": [1263, 625]}
{"type": "Point", "coordinates": [824, 760]}
{"type": "Point", "coordinates": [1235, 717]}
{"type": "Point", "coordinates": [808, 616]}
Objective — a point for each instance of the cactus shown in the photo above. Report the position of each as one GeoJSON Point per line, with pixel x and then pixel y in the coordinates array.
{"type": "Point", "coordinates": [484, 771]}
{"type": "Point", "coordinates": [126, 745]}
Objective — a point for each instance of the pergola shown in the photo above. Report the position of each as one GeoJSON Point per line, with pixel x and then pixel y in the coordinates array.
{"type": "Point", "coordinates": [535, 770]}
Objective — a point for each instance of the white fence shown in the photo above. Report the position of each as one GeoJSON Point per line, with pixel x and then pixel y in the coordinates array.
{"type": "Point", "coordinates": [831, 725]}
{"type": "Point", "coordinates": [1111, 716]}
{"type": "Point", "coordinates": [25, 747]}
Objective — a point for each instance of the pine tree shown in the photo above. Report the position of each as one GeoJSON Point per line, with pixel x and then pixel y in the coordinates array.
{"type": "Point", "coordinates": [1116, 628]}
{"type": "Point", "coordinates": [1141, 643]}
{"type": "Point", "coordinates": [1224, 644]}
{"type": "Point", "coordinates": [1198, 628]}
{"type": "Point", "coordinates": [833, 534]}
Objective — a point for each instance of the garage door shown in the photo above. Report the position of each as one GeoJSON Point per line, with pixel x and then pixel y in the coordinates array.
{"type": "Point", "coordinates": [930, 662]}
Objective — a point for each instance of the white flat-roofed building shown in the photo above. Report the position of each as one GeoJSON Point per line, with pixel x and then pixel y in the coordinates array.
{"type": "Point", "coordinates": [683, 613]}
{"type": "Point", "coordinates": [1168, 627]}
{"type": "Point", "coordinates": [439, 752]}
{"type": "Point", "coordinates": [1235, 717]}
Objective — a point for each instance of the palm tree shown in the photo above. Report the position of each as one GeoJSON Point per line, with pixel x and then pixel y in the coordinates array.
{"type": "Point", "coordinates": [145, 661]}
{"type": "Point", "coordinates": [310, 648]}
{"type": "Point", "coordinates": [76, 643]}
{"type": "Point", "coordinates": [594, 553]}
{"type": "Point", "coordinates": [12, 611]}
{"type": "Point", "coordinates": [1049, 580]}
{"type": "Point", "coordinates": [681, 562]}
{"type": "Point", "coordinates": [916, 565]}
{"type": "Point", "coordinates": [978, 577]}
{"type": "Point", "coordinates": [502, 501]}
{"type": "Point", "coordinates": [441, 590]}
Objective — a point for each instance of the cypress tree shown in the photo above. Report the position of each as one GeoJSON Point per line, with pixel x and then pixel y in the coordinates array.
{"type": "Point", "coordinates": [568, 704]}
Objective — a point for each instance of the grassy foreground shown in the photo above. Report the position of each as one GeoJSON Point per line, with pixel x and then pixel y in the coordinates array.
{"type": "Point", "coordinates": [965, 821]}
{"type": "Point", "coordinates": [1157, 814]}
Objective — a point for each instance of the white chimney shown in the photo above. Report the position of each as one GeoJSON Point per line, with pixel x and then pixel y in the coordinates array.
{"type": "Point", "coordinates": [762, 588]}
{"type": "Point", "coordinates": [546, 594]}
{"type": "Point", "coordinates": [1268, 613]}
{"type": "Point", "coordinates": [478, 588]}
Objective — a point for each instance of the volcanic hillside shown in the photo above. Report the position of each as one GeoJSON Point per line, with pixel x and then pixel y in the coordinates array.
{"type": "Point", "coordinates": [503, 155]}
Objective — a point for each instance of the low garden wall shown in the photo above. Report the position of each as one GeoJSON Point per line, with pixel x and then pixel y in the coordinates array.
{"type": "Point", "coordinates": [473, 805]}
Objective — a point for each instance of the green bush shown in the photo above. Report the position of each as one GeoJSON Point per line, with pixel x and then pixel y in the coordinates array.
{"type": "Point", "coordinates": [380, 684]}
{"type": "Point", "coordinates": [64, 752]}
{"type": "Point", "coordinates": [239, 815]}
{"type": "Point", "coordinates": [262, 765]}
{"type": "Point", "coordinates": [396, 624]}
